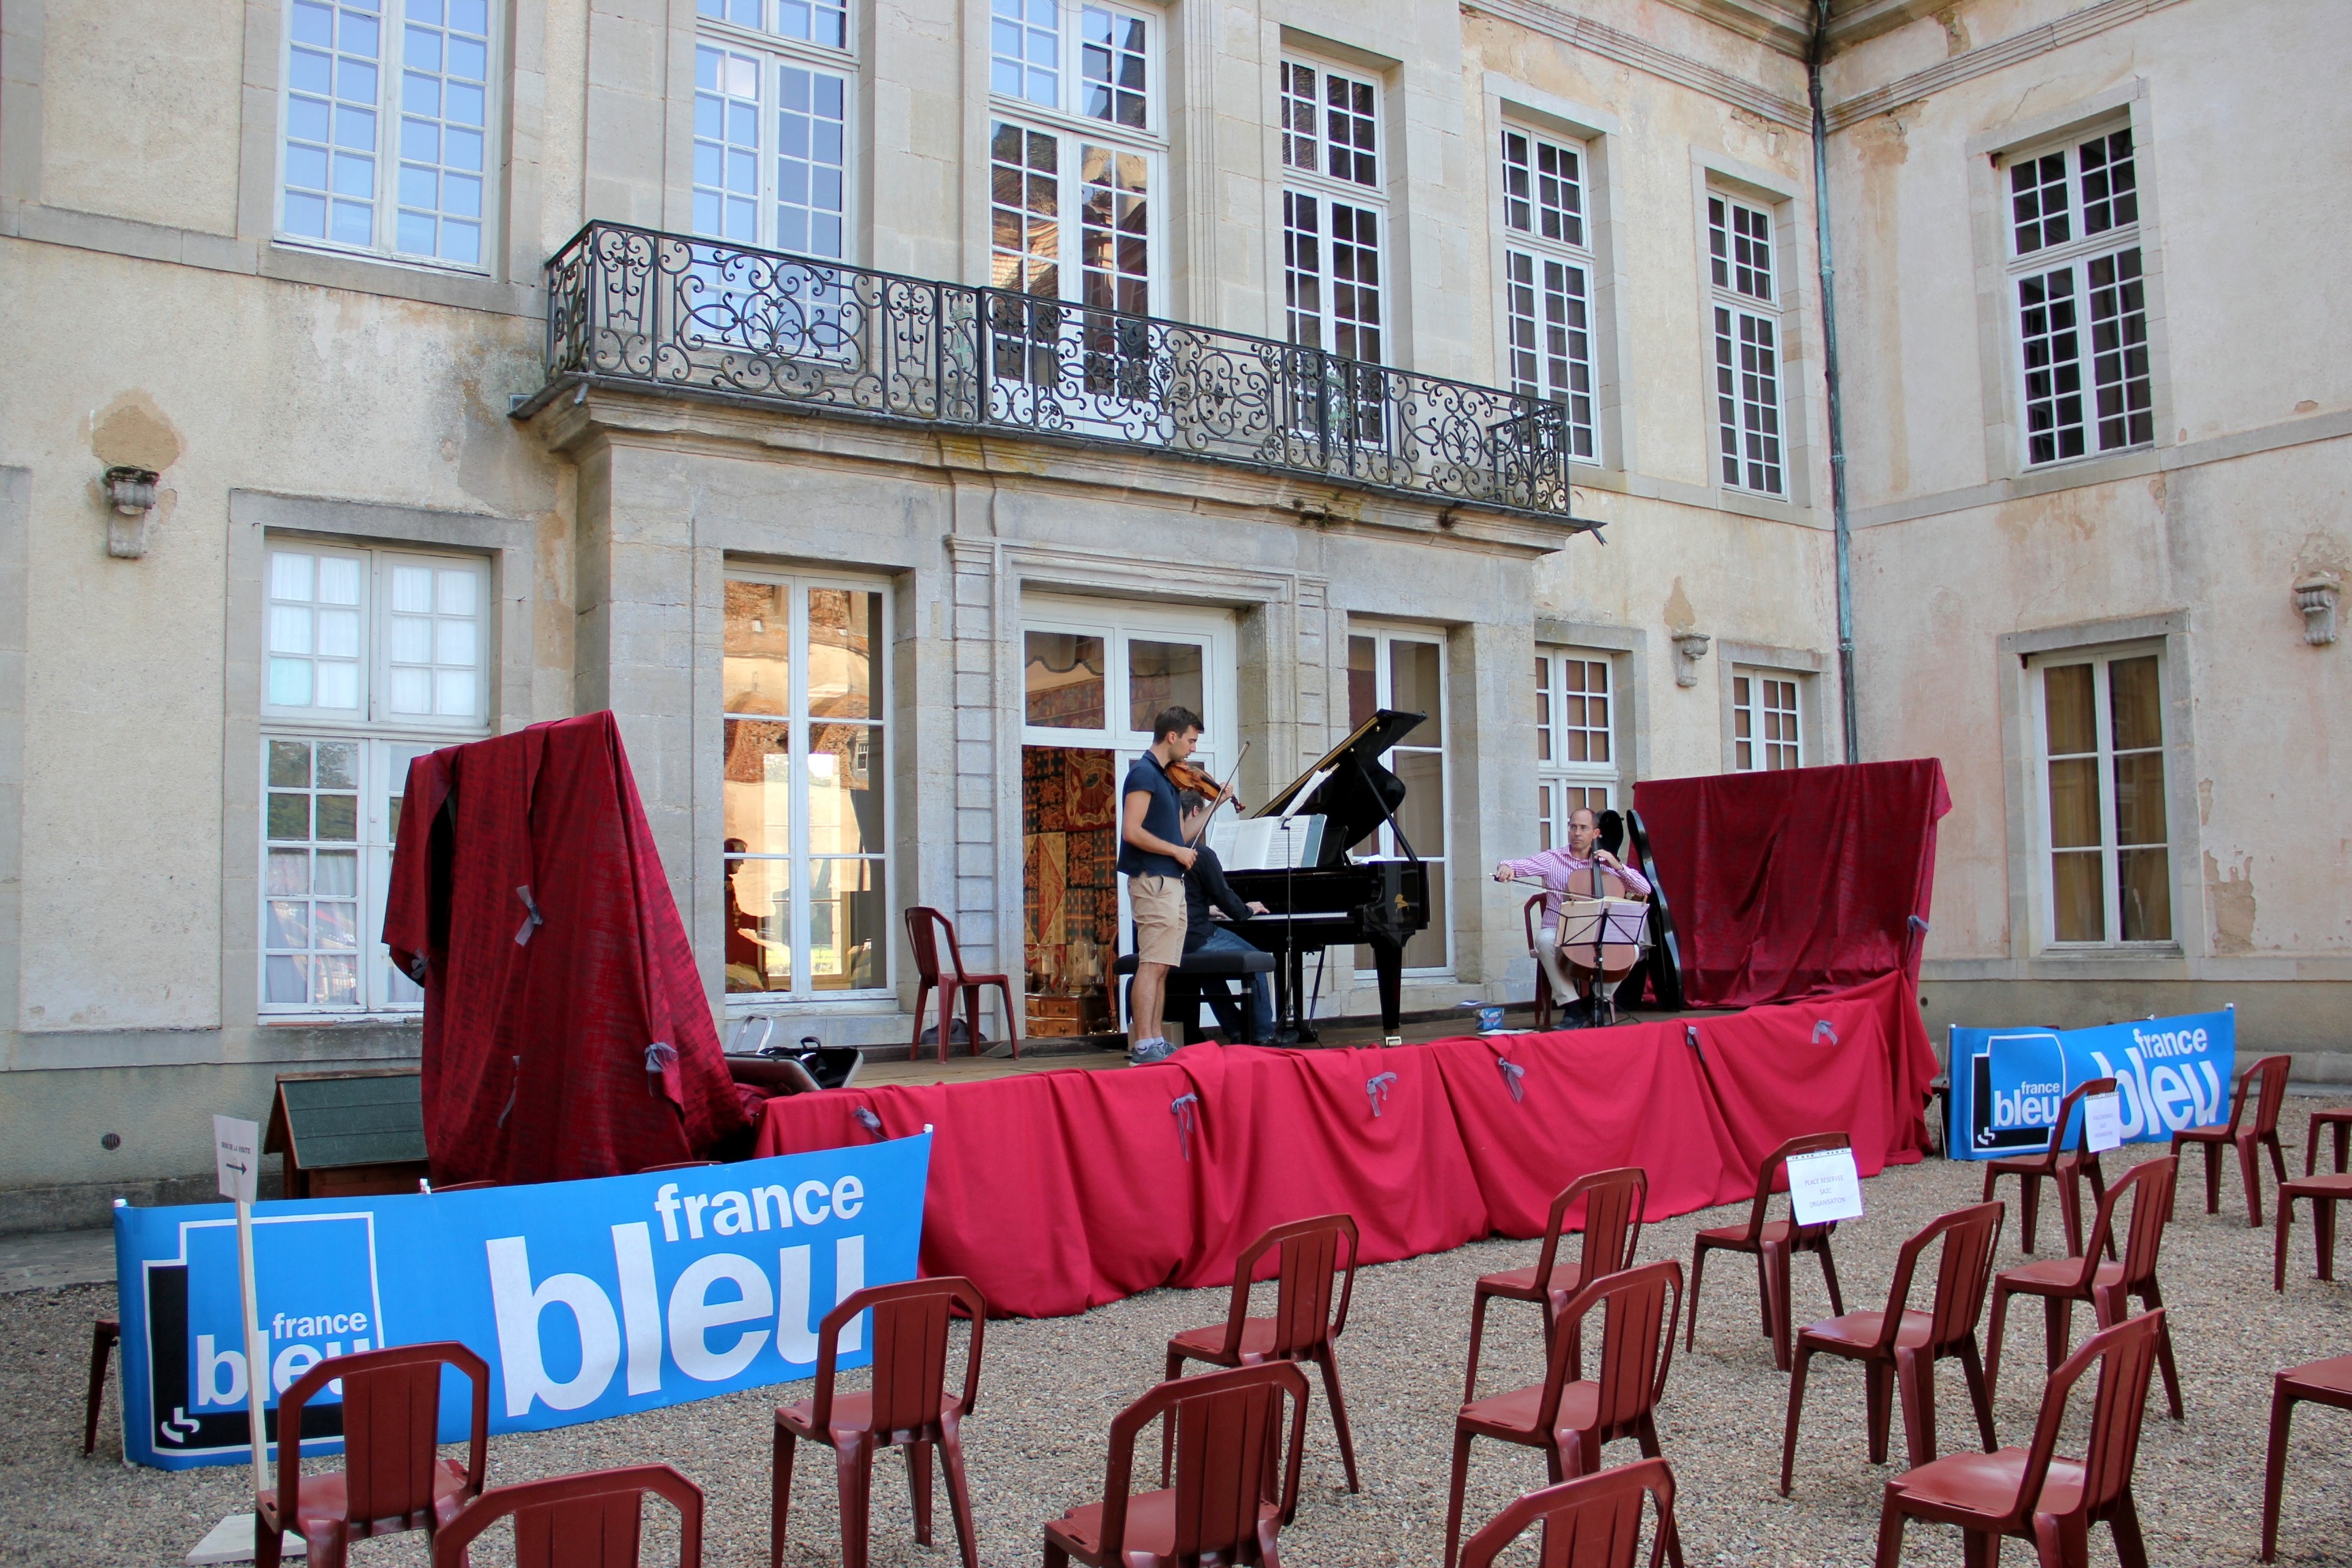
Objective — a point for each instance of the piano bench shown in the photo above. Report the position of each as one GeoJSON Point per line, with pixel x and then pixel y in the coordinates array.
{"type": "Point", "coordinates": [1184, 1001]}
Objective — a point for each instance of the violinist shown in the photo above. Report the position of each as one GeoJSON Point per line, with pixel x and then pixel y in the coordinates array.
{"type": "Point", "coordinates": [1553, 867]}
{"type": "Point", "coordinates": [1153, 859]}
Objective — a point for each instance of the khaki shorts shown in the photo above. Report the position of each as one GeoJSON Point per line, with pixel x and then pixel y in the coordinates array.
{"type": "Point", "coordinates": [1158, 906]}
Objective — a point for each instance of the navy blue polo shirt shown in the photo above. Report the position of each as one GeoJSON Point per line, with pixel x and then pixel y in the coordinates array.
{"type": "Point", "coordinates": [1164, 818]}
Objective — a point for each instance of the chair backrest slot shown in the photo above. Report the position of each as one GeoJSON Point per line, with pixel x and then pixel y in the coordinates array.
{"type": "Point", "coordinates": [2151, 1184]}
{"type": "Point", "coordinates": [1964, 1271]}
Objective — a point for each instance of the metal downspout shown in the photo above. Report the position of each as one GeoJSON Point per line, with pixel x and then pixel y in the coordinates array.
{"type": "Point", "coordinates": [1843, 532]}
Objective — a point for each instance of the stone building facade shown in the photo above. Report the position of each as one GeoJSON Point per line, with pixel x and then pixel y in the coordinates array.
{"type": "Point", "coordinates": [881, 407]}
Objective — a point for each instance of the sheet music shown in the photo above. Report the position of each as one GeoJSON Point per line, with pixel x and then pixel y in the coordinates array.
{"type": "Point", "coordinates": [1268, 843]}
{"type": "Point", "coordinates": [1314, 782]}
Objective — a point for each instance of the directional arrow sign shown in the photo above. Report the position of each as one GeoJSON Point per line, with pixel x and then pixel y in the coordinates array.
{"type": "Point", "coordinates": [237, 1156]}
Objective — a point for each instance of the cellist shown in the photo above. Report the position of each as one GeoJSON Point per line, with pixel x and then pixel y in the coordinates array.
{"type": "Point", "coordinates": [1553, 868]}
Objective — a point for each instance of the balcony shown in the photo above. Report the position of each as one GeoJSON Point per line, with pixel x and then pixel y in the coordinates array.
{"type": "Point", "coordinates": [632, 308]}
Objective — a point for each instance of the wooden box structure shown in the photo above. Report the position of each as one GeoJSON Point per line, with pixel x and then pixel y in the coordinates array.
{"type": "Point", "coordinates": [349, 1134]}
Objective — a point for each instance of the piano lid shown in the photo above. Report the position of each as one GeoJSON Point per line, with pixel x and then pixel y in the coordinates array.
{"type": "Point", "coordinates": [1351, 811]}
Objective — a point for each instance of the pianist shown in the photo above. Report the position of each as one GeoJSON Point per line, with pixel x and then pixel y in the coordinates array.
{"type": "Point", "coordinates": [1205, 888]}
{"type": "Point", "coordinates": [1553, 867]}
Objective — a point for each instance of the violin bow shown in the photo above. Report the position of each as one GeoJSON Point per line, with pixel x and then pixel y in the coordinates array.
{"type": "Point", "coordinates": [1225, 792]}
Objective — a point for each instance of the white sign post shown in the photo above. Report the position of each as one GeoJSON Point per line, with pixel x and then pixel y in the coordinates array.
{"type": "Point", "coordinates": [2103, 1123]}
{"type": "Point", "coordinates": [237, 1161]}
{"type": "Point", "coordinates": [1824, 1185]}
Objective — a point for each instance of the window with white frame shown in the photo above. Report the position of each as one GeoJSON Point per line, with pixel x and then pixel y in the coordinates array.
{"type": "Point", "coordinates": [1406, 671]}
{"type": "Point", "coordinates": [1744, 298]}
{"type": "Point", "coordinates": [806, 889]}
{"type": "Point", "coordinates": [1548, 277]}
{"type": "Point", "coordinates": [772, 97]}
{"type": "Point", "coordinates": [387, 127]}
{"type": "Point", "coordinates": [1766, 731]}
{"type": "Point", "coordinates": [2108, 845]}
{"type": "Point", "coordinates": [1076, 175]}
{"type": "Point", "coordinates": [1576, 745]}
{"type": "Point", "coordinates": [1334, 211]}
{"type": "Point", "coordinates": [371, 658]}
{"type": "Point", "coordinates": [2081, 305]}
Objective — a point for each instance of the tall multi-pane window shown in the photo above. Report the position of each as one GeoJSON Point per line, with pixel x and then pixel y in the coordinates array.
{"type": "Point", "coordinates": [1548, 277]}
{"type": "Point", "coordinates": [1766, 731]}
{"type": "Point", "coordinates": [771, 98]}
{"type": "Point", "coordinates": [387, 127]}
{"type": "Point", "coordinates": [1745, 304]}
{"type": "Point", "coordinates": [2102, 732]}
{"type": "Point", "coordinates": [2081, 305]}
{"type": "Point", "coordinates": [1576, 745]}
{"type": "Point", "coordinates": [1406, 671]}
{"type": "Point", "coordinates": [1334, 212]}
{"type": "Point", "coordinates": [371, 658]}
{"type": "Point", "coordinates": [807, 833]}
{"type": "Point", "coordinates": [1076, 160]}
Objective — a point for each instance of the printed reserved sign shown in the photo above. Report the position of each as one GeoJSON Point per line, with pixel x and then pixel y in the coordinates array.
{"type": "Point", "coordinates": [588, 1299]}
{"type": "Point", "coordinates": [2007, 1084]}
{"type": "Point", "coordinates": [1824, 1185]}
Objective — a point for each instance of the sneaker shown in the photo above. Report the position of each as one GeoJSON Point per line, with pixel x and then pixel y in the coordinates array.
{"type": "Point", "coordinates": [1145, 1052]}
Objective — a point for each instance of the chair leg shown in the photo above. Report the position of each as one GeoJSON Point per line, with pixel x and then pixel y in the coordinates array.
{"type": "Point", "coordinates": [853, 1469]}
{"type": "Point", "coordinates": [1477, 1332]}
{"type": "Point", "coordinates": [1764, 1289]}
{"type": "Point", "coordinates": [1698, 1267]}
{"type": "Point", "coordinates": [922, 999]}
{"type": "Point", "coordinates": [1878, 1406]}
{"type": "Point", "coordinates": [1829, 1278]}
{"type": "Point", "coordinates": [103, 1335]}
{"type": "Point", "coordinates": [2250, 1171]}
{"type": "Point", "coordinates": [1980, 1548]}
{"type": "Point", "coordinates": [2274, 1469]}
{"type": "Point", "coordinates": [2057, 1327]}
{"type": "Point", "coordinates": [959, 1491]}
{"type": "Point", "coordinates": [2323, 1231]}
{"type": "Point", "coordinates": [1992, 1336]}
{"type": "Point", "coordinates": [1776, 1308]}
{"type": "Point", "coordinates": [1012, 1019]}
{"type": "Point", "coordinates": [1168, 1424]}
{"type": "Point", "coordinates": [1980, 1393]}
{"type": "Point", "coordinates": [947, 1018]}
{"type": "Point", "coordinates": [1796, 1408]}
{"type": "Point", "coordinates": [2098, 1192]}
{"type": "Point", "coordinates": [1915, 1380]}
{"type": "Point", "coordinates": [780, 1494]}
{"type": "Point", "coordinates": [1890, 1526]}
{"type": "Point", "coordinates": [2029, 1207]}
{"type": "Point", "coordinates": [1327, 1358]}
{"type": "Point", "coordinates": [918, 1485]}
{"type": "Point", "coordinates": [268, 1545]}
{"type": "Point", "coordinates": [2278, 1153]}
{"type": "Point", "coordinates": [2278, 1245]}
{"type": "Point", "coordinates": [2131, 1551]}
{"type": "Point", "coordinates": [2062, 1540]}
{"type": "Point", "coordinates": [2212, 1177]}
{"type": "Point", "coordinates": [1453, 1496]}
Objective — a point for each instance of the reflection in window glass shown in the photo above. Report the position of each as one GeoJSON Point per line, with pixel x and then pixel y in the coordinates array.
{"type": "Point", "coordinates": [1062, 681]}
{"type": "Point", "coordinates": [311, 911]}
{"type": "Point", "coordinates": [1160, 675]}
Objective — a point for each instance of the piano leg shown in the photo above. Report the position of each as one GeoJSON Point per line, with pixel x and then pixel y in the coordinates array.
{"type": "Point", "coordinates": [1388, 960]}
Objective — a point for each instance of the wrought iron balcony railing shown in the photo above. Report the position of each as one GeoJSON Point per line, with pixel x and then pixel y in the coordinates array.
{"type": "Point", "coordinates": [630, 306]}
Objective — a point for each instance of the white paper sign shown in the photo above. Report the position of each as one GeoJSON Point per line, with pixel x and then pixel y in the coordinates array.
{"type": "Point", "coordinates": [236, 1157]}
{"type": "Point", "coordinates": [2103, 1123]}
{"type": "Point", "coordinates": [1824, 1185]}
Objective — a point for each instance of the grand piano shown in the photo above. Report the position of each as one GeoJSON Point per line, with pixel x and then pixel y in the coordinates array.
{"type": "Point", "coordinates": [1339, 900]}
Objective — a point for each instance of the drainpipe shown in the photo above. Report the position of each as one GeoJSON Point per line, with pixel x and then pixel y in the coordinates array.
{"type": "Point", "coordinates": [1844, 531]}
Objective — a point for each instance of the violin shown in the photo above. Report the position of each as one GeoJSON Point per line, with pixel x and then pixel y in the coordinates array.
{"type": "Point", "coordinates": [1192, 778]}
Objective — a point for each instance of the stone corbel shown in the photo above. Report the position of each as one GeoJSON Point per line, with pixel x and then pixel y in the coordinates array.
{"type": "Point", "coordinates": [1689, 648]}
{"type": "Point", "coordinates": [2315, 597]}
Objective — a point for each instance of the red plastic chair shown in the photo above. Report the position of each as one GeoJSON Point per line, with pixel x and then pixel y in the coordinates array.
{"type": "Point", "coordinates": [2324, 1193]}
{"type": "Point", "coordinates": [1544, 1000]}
{"type": "Point", "coordinates": [589, 1521]}
{"type": "Point", "coordinates": [906, 1407]}
{"type": "Point", "coordinates": [2059, 1163]}
{"type": "Point", "coordinates": [391, 1482]}
{"type": "Point", "coordinates": [2322, 1382]}
{"type": "Point", "coordinates": [923, 926]}
{"type": "Point", "coordinates": [2340, 1122]}
{"type": "Point", "coordinates": [1901, 1347]}
{"type": "Point", "coordinates": [1613, 1202]}
{"type": "Point", "coordinates": [1224, 1507]}
{"type": "Point", "coordinates": [1773, 1246]}
{"type": "Point", "coordinates": [1592, 1521]}
{"type": "Point", "coordinates": [2264, 1083]}
{"type": "Point", "coordinates": [1304, 1327]}
{"type": "Point", "coordinates": [1570, 1419]}
{"type": "Point", "coordinates": [2061, 1282]}
{"type": "Point", "coordinates": [2032, 1493]}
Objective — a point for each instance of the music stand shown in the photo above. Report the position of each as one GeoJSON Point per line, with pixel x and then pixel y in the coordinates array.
{"type": "Point", "coordinates": [1600, 940]}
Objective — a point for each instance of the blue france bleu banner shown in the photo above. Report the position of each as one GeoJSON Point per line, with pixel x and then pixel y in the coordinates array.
{"type": "Point", "coordinates": [2169, 1073]}
{"type": "Point", "coordinates": [588, 1300]}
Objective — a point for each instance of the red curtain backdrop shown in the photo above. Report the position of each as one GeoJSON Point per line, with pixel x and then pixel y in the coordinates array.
{"type": "Point", "coordinates": [566, 1034]}
{"type": "Point", "coordinates": [1061, 1191]}
{"type": "Point", "coordinates": [1791, 883]}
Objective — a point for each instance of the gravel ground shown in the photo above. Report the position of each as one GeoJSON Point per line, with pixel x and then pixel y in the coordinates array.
{"type": "Point", "coordinates": [1050, 1388]}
